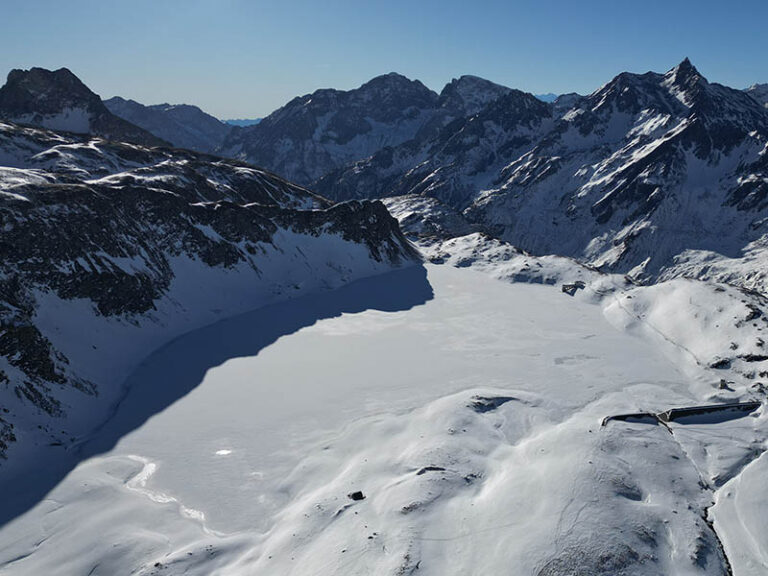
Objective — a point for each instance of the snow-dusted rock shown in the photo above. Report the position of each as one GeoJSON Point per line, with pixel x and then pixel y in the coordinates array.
{"type": "Point", "coordinates": [58, 100]}
{"type": "Point", "coordinates": [759, 92]}
{"type": "Point", "coordinates": [181, 125]}
{"type": "Point", "coordinates": [645, 169]}
{"type": "Point", "coordinates": [318, 132]}
{"type": "Point", "coordinates": [111, 249]}
{"type": "Point", "coordinates": [655, 175]}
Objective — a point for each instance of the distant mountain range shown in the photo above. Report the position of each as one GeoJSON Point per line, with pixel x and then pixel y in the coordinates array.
{"type": "Point", "coordinates": [323, 131]}
{"type": "Point", "coordinates": [58, 100]}
{"type": "Point", "coordinates": [652, 174]}
{"type": "Point", "coordinates": [548, 97]}
{"type": "Point", "coordinates": [182, 125]}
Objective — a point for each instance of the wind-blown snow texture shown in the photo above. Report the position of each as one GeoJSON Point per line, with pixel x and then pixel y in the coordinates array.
{"type": "Point", "coordinates": [111, 249]}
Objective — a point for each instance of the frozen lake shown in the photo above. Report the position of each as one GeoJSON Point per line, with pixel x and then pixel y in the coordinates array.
{"type": "Point", "coordinates": [215, 459]}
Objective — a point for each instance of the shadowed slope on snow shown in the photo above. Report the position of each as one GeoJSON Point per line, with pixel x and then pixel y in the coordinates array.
{"type": "Point", "coordinates": [185, 361]}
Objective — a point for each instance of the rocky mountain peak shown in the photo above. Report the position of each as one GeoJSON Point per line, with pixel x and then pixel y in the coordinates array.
{"type": "Point", "coordinates": [395, 89]}
{"type": "Point", "coordinates": [393, 79]}
{"type": "Point", "coordinates": [685, 82]}
{"type": "Point", "coordinates": [58, 100]}
{"type": "Point", "coordinates": [729, 113]}
{"type": "Point", "coordinates": [41, 91]}
{"type": "Point", "coordinates": [685, 69]}
{"type": "Point", "coordinates": [565, 102]}
{"type": "Point", "coordinates": [759, 92]}
{"type": "Point", "coordinates": [324, 130]}
{"type": "Point", "coordinates": [183, 125]}
{"type": "Point", "coordinates": [468, 94]}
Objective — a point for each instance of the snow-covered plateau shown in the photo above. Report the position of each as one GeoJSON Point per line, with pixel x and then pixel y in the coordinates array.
{"type": "Point", "coordinates": [444, 419]}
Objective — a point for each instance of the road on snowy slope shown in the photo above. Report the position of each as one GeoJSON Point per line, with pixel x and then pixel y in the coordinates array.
{"type": "Point", "coordinates": [220, 462]}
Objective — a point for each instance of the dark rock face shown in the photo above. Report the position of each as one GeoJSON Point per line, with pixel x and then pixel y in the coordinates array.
{"type": "Point", "coordinates": [319, 132]}
{"type": "Point", "coordinates": [59, 100]}
{"type": "Point", "coordinates": [649, 170]}
{"type": "Point", "coordinates": [626, 179]}
{"type": "Point", "coordinates": [759, 92]}
{"type": "Point", "coordinates": [103, 222]}
{"type": "Point", "coordinates": [467, 95]}
{"type": "Point", "coordinates": [453, 163]}
{"type": "Point", "coordinates": [315, 134]}
{"type": "Point", "coordinates": [182, 125]}
{"type": "Point", "coordinates": [653, 164]}
{"type": "Point", "coordinates": [566, 102]}
{"type": "Point", "coordinates": [427, 218]}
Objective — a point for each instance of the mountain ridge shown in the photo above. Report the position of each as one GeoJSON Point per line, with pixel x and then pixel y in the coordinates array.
{"type": "Point", "coordinates": [183, 125]}
{"type": "Point", "coordinates": [58, 100]}
{"type": "Point", "coordinates": [111, 249]}
{"type": "Point", "coordinates": [590, 176]}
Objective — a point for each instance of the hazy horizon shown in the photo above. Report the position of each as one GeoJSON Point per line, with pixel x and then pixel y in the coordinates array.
{"type": "Point", "coordinates": [237, 59]}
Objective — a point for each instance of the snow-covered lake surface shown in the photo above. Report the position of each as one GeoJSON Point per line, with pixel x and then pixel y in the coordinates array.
{"type": "Point", "coordinates": [470, 421]}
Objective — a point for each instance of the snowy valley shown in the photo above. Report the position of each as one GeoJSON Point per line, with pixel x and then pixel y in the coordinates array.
{"type": "Point", "coordinates": [492, 335]}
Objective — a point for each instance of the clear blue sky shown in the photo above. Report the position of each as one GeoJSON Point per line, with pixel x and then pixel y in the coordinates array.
{"type": "Point", "coordinates": [244, 58]}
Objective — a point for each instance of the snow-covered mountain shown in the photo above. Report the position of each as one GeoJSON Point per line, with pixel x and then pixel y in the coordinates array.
{"type": "Point", "coordinates": [657, 175]}
{"type": "Point", "coordinates": [181, 125]}
{"type": "Point", "coordinates": [650, 173]}
{"type": "Point", "coordinates": [111, 249]}
{"type": "Point", "coordinates": [58, 100]}
{"type": "Point", "coordinates": [325, 130]}
{"type": "Point", "coordinates": [558, 417]}
{"type": "Point", "coordinates": [759, 92]}
{"type": "Point", "coordinates": [507, 422]}
{"type": "Point", "coordinates": [318, 132]}
{"type": "Point", "coordinates": [453, 163]}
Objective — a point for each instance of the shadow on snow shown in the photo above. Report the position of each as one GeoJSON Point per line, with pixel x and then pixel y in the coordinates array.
{"type": "Point", "coordinates": [183, 363]}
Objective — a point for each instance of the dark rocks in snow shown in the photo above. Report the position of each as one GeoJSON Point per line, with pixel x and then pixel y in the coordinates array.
{"type": "Point", "coordinates": [571, 289]}
{"type": "Point", "coordinates": [754, 357]}
{"type": "Point", "coordinates": [725, 385]}
{"type": "Point", "coordinates": [482, 404]}
{"type": "Point", "coordinates": [618, 559]}
{"type": "Point", "coordinates": [429, 469]}
{"type": "Point", "coordinates": [358, 495]}
{"type": "Point", "coordinates": [726, 411]}
{"type": "Point", "coordinates": [721, 364]}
